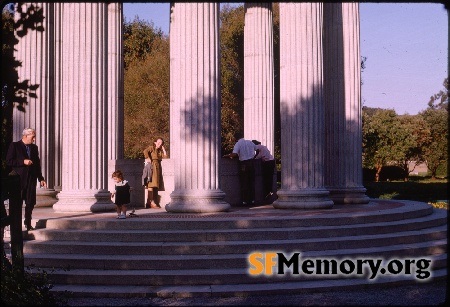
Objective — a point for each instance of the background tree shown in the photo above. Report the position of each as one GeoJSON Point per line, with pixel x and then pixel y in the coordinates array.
{"type": "Point", "coordinates": [435, 151]}
{"type": "Point", "coordinates": [138, 39]}
{"type": "Point", "coordinates": [232, 74]}
{"type": "Point", "coordinates": [440, 100]}
{"type": "Point", "coordinates": [14, 93]}
{"type": "Point", "coordinates": [416, 133]}
{"type": "Point", "coordinates": [383, 140]}
{"type": "Point", "coordinates": [146, 88]}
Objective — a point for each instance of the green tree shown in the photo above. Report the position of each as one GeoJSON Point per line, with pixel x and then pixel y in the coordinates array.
{"type": "Point", "coordinates": [138, 39]}
{"type": "Point", "coordinates": [14, 93]}
{"type": "Point", "coordinates": [435, 150]}
{"type": "Point", "coordinates": [385, 141]}
{"type": "Point", "coordinates": [146, 89]}
{"type": "Point", "coordinates": [416, 133]}
{"type": "Point", "coordinates": [232, 77]}
{"type": "Point", "coordinates": [440, 100]}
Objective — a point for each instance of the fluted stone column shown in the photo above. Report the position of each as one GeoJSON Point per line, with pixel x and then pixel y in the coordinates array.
{"type": "Point", "coordinates": [197, 103]}
{"type": "Point", "coordinates": [35, 51]}
{"type": "Point", "coordinates": [302, 108]}
{"type": "Point", "coordinates": [58, 94]}
{"type": "Point", "coordinates": [259, 74]}
{"type": "Point", "coordinates": [343, 115]}
{"type": "Point", "coordinates": [115, 81]}
{"type": "Point", "coordinates": [85, 114]}
{"type": "Point", "coordinates": [175, 67]}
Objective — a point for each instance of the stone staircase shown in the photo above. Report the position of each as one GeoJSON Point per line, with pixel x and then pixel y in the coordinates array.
{"type": "Point", "coordinates": [190, 255]}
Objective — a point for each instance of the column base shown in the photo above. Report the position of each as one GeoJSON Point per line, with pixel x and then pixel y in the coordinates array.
{"type": "Point", "coordinates": [45, 197]}
{"type": "Point", "coordinates": [84, 201]}
{"type": "Point", "coordinates": [303, 199]}
{"type": "Point", "coordinates": [197, 202]}
{"type": "Point", "coordinates": [349, 195]}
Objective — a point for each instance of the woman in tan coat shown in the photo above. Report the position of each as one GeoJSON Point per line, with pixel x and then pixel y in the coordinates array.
{"type": "Point", "coordinates": [154, 154]}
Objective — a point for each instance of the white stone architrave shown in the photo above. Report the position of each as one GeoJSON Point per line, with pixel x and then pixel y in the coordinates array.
{"type": "Point", "coordinates": [343, 117]}
{"type": "Point", "coordinates": [35, 51]}
{"type": "Point", "coordinates": [301, 108]}
{"type": "Point", "coordinates": [197, 109]}
{"type": "Point", "coordinates": [259, 116]}
{"type": "Point", "coordinates": [84, 109]}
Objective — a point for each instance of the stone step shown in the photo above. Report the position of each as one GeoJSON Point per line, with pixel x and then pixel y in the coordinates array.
{"type": "Point", "coordinates": [212, 276]}
{"type": "Point", "coordinates": [232, 290]}
{"type": "Point", "coordinates": [232, 247]}
{"type": "Point", "coordinates": [139, 262]}
{"type": "Point", "coordinates": [184, 255]}
{"type": "Point", "coordinates": [205, 235]}
{"type": "Point", "coordinates": [233, 220]}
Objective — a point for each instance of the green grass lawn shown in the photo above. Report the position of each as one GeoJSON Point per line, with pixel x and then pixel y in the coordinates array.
{"type": "Point", "coordinates": [417, 188]}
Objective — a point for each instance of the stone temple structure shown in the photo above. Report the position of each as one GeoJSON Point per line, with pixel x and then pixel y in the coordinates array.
{"type": "Point", "coordinates": [78, 114]}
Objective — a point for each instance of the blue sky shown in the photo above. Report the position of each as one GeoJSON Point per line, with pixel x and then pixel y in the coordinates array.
{"type": "Point", "coordinates": [406, 46]}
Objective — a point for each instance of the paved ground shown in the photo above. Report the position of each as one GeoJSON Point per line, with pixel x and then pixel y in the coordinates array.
{"type": "Point", "coordinates": [433, 294]}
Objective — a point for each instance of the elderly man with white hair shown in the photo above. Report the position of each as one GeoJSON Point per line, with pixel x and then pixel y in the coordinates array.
{"type": "Point", "coordinates": [23, 158]}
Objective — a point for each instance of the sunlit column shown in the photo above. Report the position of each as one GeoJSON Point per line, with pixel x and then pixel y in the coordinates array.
{"type": "Point", "coordinates": [258, 74]}
{"type": "Point", "coordinates": [302, 108]}
{"type": "Point", "coordinates": [197, 107]}
{"type": "Point", "coordinates": [115, 81]}
{"type": "Point", "coordinates": [175, 66]}
{"type": "Point", "coordinates": [35, 51]}
{"type": "Point", "coordinates": [58, 94]}
{"type": "Point", "coordinates": [85, 118]}
{"type": "Point", "coordinates": [342, 83]}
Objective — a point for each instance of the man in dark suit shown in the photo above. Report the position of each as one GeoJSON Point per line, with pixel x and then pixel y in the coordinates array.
{"type": "Point", "coordinates": [23, 158]}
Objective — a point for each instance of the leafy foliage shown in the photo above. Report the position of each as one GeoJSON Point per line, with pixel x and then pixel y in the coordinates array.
{"type": "Point", "coordinates": [146, 89]}
{"type": "Point", "coordinates": [138, 40]}
{"type": "Point", "coordinates": [232, 74]}
{"type": "Point", "coordinates": [435, 149]}
{"type": "Point", "coordinates": [381, 136]}
{"type": "Point", "coordinates": [27, 289]}
{"type": "Point", "coordinates": [439, 101]}
{"type": "Point", "coordinates": [389, 139]}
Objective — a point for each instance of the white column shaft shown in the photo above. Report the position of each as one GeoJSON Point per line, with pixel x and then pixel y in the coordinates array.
{"type": "Point", "coordinates": [197, 179]}
{"type": "Point", "coordinates": [259, 74]}
{"type": "Point", "coordinates": [343, 118]}
{"type": "Point", "coordinates": [115, 81]}
{"type": "Point", "coordinates": [302, 108]}
{"type": "Point", "coordinates": [85, 118]}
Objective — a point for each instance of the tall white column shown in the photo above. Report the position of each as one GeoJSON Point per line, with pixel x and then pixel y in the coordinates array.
{"type": "Point", "coordinates": [197, 103]}
{"type": "Point", "coordinates": [302, 108]}
{"type": "Point", "coordinates": [115, 81]}
{"type": "Point", "coordinates": [58, 94]}
{"type": "Point", "coordinates": [85, 114]}
{"type": "Point", "coordinates": [259, 74]}
{"type": "Point", "coordinates": [175, 66]}
{"type": "Point", "coordinates": [35, 51]}
{"type": "Point", "coordinates": [343, 117]}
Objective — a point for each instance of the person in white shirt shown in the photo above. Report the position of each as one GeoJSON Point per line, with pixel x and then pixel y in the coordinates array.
{"type": "Point", "coordinates": [245, 150]}
{"type": "Point", "coordinates": [267, 167]}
